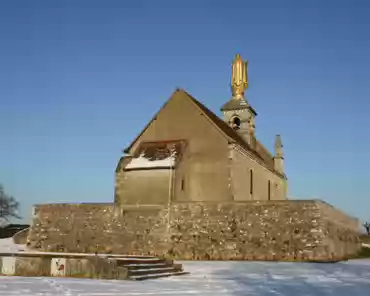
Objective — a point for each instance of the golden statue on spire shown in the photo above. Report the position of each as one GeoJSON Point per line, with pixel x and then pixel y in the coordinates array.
{"type": "Point", "coordinates": [239, 78]}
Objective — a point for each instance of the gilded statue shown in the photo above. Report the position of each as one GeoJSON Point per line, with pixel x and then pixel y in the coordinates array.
{"type": "Point", "coordinates": [239, 79]}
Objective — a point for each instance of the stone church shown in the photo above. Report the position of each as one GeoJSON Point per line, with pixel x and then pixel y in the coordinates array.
{"type": "Point", "coordinates": [193, 186]}
{"type": "Point", "coordinates": [187, 153]}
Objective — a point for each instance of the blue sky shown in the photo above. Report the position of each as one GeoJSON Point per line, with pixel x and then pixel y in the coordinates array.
{"type": "Point", "coordinates": [80, 79]}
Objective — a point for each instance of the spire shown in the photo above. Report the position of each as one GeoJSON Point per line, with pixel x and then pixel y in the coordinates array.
{"type": "Point", "coordinates": [239, 77]}
{"type": "Point", "coordinates": [279, 157]}
{"type": "Point", "coordinates": [278, 147]}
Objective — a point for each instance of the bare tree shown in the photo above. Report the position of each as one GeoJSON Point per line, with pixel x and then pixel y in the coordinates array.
{"type": "Point", "coordinates": [367, 227]}
{"type": "Point", "coordinates": [8, 207]}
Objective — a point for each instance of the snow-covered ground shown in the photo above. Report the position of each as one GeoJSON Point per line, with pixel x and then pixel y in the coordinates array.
{"type": "Point", "coordinates": [7, 245]}
{"type": "Point", "coordinates": [215, 278]}
{"type": "Point", "coordinates": [210, 278]}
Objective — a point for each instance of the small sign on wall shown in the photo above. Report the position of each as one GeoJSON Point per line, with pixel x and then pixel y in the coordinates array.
{"type": "Point", "coordinates": [58, 267]}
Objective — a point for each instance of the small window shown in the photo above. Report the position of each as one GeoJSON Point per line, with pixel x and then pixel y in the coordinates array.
{"type": "Point", "coordinates": [251, 182]}
{"type": "Point", "coordinates": [269, 190]}
{"type": "Point", "coordinates": [182, 184]}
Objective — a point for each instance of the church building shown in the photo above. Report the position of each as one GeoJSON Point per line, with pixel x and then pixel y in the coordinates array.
{"type": "Point", "coordinates": [187, 153]}
{"type": "Point", "coordinates": [194, 186]}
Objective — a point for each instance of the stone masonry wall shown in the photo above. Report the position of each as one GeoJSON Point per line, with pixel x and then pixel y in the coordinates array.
{"type": "Point", "coordinates": [279, 230]}
{"type": "Point", "coordinates": [338, 230]}
{"type": "Point", "coordinates": [267, 230]}
{"type": "Point", "coordinates": [98, 228]}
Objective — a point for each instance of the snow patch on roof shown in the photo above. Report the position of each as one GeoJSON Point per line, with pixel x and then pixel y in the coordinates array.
{"type": "Point", "coordinates": [143, 162]}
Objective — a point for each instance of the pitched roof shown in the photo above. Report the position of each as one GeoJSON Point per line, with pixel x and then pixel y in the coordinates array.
{"type": "Point", "coordinates": [259, 150]}
{"type": "Point", "coordinates": [233, 104]}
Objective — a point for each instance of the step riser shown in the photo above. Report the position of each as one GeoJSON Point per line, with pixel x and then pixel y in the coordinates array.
{"type": "Point", "coordinates": [133, 267]}
{"type": "Point", "coordinates": [149, 277]}
{"type": "Point", "coordinates": [148, 262]}
{"type": "Point", "coordinates": [147, 272]}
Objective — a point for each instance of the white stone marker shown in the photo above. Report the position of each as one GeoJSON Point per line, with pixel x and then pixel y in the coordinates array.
{"type": "Point", "coordinates": [8, 267]}
{"type": "Point", "coordinates": [58, 267]}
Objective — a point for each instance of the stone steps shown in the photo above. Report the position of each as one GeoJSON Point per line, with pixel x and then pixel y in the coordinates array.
{"type": "Point", "coordinates": [145, 268]}
{"type": "Point", "coordinates": [142, 261]}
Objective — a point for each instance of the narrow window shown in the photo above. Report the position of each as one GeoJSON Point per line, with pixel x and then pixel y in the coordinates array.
{"type": "Point", "coordinates": [269, 190]}
{"type": "Point", "coordinates": [182, 184]}
{"type": "Point", "coordinates": [251, 181]}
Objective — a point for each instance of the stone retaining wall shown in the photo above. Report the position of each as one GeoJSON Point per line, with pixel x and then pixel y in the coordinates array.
{"type": "Point", "coordinates": [41, 265]}
{"type": "Point", "coordinates": [268, 230]}
{"type": "Point", "coordinates": [102, 228]}
{"type": "Point", "coordinates": [279, 230]}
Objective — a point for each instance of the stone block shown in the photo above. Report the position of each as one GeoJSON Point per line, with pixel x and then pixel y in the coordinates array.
{"type": "Point", "coordinates": [32, 266]}
{"type": "Point", "coordinates": [94, 267]}
{"type": "Point", "coordinates": [8, 265]}
{"type": "Point", "coordinates": [58, 267]}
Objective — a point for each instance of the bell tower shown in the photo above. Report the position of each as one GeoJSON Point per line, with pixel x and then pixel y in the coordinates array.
{"type": "Point", "coordinates": [237, 111]}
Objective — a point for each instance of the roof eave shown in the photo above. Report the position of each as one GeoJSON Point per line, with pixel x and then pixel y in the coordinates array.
{"type": "Point", "coordinates": [241, 108]}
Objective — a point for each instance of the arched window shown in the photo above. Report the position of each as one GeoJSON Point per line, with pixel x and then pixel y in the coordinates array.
{"type": "Point", "coordinates": [235, 123]}
{"type": "Point", "coordinates": [269, 190]}
{"type": "Point", "coordinates": [251, 182]}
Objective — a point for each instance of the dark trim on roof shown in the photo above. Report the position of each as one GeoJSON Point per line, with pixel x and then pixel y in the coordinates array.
{"type": "Point", "coordinates": [237, 104]}
{"type": "Point", "coordinates": [150, 168]}
{"type": "Point", "coordinates": [239, 108]}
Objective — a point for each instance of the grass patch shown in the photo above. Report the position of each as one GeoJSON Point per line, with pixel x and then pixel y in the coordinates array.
{"type": "Point", "coordinates": [364, 253]}
{"type": "Point", "coordinates": [365, 239]}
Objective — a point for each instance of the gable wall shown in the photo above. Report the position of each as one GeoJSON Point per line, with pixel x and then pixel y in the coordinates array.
{"type": "Point", "coordinates": [204, 165]}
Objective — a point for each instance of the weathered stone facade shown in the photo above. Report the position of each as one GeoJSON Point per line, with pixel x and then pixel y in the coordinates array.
{"type": "Point", "coordinates": [270, 230]}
